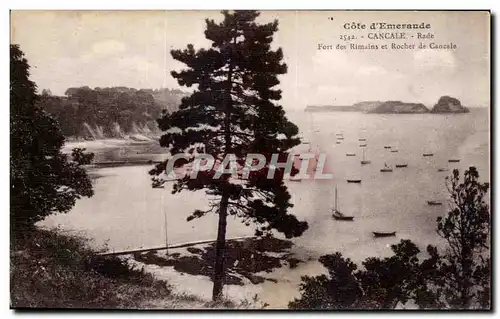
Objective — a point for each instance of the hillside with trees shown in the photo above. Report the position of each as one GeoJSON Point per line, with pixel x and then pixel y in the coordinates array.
{"type": "Point", "coordinates": [109, 112]}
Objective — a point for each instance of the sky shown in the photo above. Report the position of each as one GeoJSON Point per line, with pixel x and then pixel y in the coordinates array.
{"type": "Point", "coordinates": [131, 48]}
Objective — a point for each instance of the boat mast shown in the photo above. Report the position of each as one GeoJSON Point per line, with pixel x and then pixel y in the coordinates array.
{"type": "Point", "coordinates": [336, 198]}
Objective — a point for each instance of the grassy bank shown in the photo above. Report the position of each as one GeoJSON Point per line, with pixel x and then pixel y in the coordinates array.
{"type": "Point", "coordinates": [52, 269]}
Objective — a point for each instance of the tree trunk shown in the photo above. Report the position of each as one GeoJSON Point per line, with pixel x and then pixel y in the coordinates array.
{"type": "Point", "coordinates": [220, 246]}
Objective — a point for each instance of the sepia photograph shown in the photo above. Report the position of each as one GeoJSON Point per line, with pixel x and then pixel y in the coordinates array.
{"type": "Point", "coordinates": [250, 160]}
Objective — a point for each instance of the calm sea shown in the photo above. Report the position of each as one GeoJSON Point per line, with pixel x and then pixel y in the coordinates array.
{"type": "Point", "coordinates": [126, 212]}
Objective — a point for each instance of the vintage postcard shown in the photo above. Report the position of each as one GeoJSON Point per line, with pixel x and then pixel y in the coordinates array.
{"type": "Point", "coordinates": [328, 160]}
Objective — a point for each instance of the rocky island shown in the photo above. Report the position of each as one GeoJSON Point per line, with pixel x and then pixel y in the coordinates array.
{"type": "Point", "coordinates": [448, 104]}
{"type": "Point", "coordinates": [445, 104]}
{"type": "Point", "coordinates": [357, 107]}
{"type": "Point", "coordinates": [399, 107]}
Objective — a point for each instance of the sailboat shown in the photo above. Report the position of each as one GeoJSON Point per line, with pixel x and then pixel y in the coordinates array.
{"type": "Point", "coordinates": [386, 168]}
{"type": "Point", "coordinates": [364, 160]}
{"type": "Point", "coordinates": [336, 214]}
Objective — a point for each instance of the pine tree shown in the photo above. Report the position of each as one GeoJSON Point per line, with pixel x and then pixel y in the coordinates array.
{"type": "Point", "coordinates": [43, 180]}
{"type": "Point", "coordinates": [464, 268]}
{"type": "Point", "coordinates": [232, 111]}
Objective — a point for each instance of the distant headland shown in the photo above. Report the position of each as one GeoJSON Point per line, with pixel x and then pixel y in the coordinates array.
{"type": "Point", "coordinates": [445, 104]}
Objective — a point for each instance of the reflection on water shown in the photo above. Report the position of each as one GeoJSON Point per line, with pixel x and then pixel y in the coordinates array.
{"type": "Point", "coordinates": [135, 152]}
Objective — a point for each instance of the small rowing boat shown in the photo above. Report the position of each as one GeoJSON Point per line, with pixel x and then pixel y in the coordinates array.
{"type": "Point", "coordinates": [433, 203]}
{"type": "Point", "coordinates": [354, 181]}
{"type": "Point", "coordinates": [384, 234]}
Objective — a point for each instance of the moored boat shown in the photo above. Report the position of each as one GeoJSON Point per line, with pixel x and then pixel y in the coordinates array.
{"type": "Point", "coordinates": [364, 161]}
{"type": "Point", "coordinates": [386, 168]}
{"type": "Point", "coordinates": [354, 181]}
{"type": "Point", "coordinates": [434, 203]}
{"type": "Point", "coordinates": [427, 154]}
{"type": "Point", "coordinates": [401, 165]}
{"type": "Point", "coordinates": [453, 160]}
{"type": "Point", "coordinates": [336, 214]}
{"type": "Point", "coordinates": [346, 218]}
{"type": "Point", "coordinates": [384, 234]}
{"type": "Point", "coordinates": [350, 154]}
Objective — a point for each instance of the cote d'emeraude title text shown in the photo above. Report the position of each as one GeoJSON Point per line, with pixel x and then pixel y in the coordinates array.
{"type": "Point", "coordinates": [386, 26]}
{"type": "Point", "coordinates": [386, 36]}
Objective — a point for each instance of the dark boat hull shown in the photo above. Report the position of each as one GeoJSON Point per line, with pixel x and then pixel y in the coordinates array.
{"type": "Point", "coordinates": [427, 155]}
{"type": "Point", "coordinates": [350, 154]}
{"type": "Point", "coordinates": [345, 218]}
{"type": "Point", "coordinates": [386, 170]}
{"type": "Point", "coordinates": [354, 181]}
{"type": "Point", "coordinates": [453, 161]}
{"type": "Point", "coordinates": [403, 165]}
{"type": "Point", "coordinates": [365, 162]}
{"type": "Point", "coordinates": [379, 234]}
{"type": "Point", "coordinates": [433, 203]}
